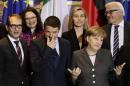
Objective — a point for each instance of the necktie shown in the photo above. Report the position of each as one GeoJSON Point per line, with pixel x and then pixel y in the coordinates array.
{"type": "Point", "coordinates": [55, 57]}
{"type": "Point", "coordinates": [19, 54]}
{"type": "Point", "coordinates": [116, 41]}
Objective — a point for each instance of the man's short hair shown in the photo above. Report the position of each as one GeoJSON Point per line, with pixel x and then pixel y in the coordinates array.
{"type": "Point", "coordinates": [12, 15]}
{"type": "Point", "coordinates": [52, 21]}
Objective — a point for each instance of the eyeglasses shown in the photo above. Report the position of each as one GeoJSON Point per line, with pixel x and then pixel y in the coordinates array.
{"type": "Point", "coordinates": [13, 26]}
{"type": "Point", "coordinates": [30, 18]}
{"type": "Point", "coordinates": [110, 11]}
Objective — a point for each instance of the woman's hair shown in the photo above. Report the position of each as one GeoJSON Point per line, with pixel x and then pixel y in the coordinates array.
{"type": "Point", "coordinates": [75, 9]}
{"type": "Point", "coordinates": [96, 31]}
{"type": "Point", "coordinates": [39, 22]}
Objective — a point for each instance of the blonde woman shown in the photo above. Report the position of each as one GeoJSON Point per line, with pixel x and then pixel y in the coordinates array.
{"type": "Point", "coordinates": [77, 28]}
{"type": "Point", "coordinates": [93, 66]}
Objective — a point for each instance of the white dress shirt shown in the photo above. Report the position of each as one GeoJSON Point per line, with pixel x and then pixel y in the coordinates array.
{"type": "Point", "coordinates": [121, 35]}
{"type": "Point", "coordinates": [57, 46]}
{"type": "Point", "coordinates": [14, 45]}
{"type": "Point", "coordinates": [92, 58]}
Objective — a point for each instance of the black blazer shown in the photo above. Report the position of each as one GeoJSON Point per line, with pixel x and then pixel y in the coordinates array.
{"type": "Point", "coordinates": [107, 28]}
{"type": "Point", "coordinates": [124, 56]}
{"type": "Point", "coordinates": [11, 73]}
{"type": "Point", "coordinates": [3, 31]}
{"type": "Point", "coordinates": [72, 38]}
{"type": "Point", "coordinates": [45, 74]}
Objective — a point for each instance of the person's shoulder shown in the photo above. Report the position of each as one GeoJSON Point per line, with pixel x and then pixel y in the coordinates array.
{"type": "Point", "coordinates": [104, 51]}
{"type": "Point", "coordinates": [66, 34]}
{"type": "Point", "coordinates": [3, 41]}
{"type": "Point", "coordinates": [81, 51]}
{"type": "Point", "coordinates": [126, 46]}
{"type": "Point", "coordinates": [65, 41]}
{"type": "Point", "coordinates": [39, 41]}
{"type": "Point", "coordinates": [4, 38]}
{"type": "Point", "coordinates": [126, 23]}
{"type": "Point", "coordinates": [106, 26]}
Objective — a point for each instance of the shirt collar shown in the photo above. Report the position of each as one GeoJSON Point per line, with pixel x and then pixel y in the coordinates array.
{"type": "Point", "coordinates": [120, 24]}
{"type": "Point", "coordinates": [12, 39]}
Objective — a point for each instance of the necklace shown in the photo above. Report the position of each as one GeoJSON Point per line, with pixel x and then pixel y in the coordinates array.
{"type": "Point", "coordinates": [92, 55]}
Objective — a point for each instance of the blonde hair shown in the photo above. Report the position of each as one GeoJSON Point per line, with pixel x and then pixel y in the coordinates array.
{"type": "Point", "coordinates": [96, 31]}
{"type": "Point", "coordinates": [75, 9]}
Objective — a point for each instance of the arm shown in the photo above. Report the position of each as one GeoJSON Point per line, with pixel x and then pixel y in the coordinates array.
{"type": "Point", "coordinates": [1, 67]}
{"type": "Point", "coordinates": [39, 54]}
{"type": "Point", "coordinates": [75, 71]}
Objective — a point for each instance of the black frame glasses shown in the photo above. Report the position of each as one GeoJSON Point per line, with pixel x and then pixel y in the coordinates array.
{"type": "Point", "coordinates": [13, 26]}
{"type": "Point", "coordinates": [110, 11]}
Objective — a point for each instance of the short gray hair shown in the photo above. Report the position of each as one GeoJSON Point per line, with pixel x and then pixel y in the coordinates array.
{"type": "Point", "coordinates": [120, 6]}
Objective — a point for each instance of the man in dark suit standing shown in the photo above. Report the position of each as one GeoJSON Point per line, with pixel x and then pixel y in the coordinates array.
{"type": "Point", "coordinates": [115, 13]}
{"type": "Point", "coordinates": [50, 56]}
{"type": "Point", "coordinates": [124, 57]}
{"type": "Point", "coordinates": [3, 31]}
{"type": "Point", "coordinates": [14, 63]}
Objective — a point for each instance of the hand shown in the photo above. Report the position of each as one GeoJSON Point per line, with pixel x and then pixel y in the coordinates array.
{"type": "Point", "coordinates": [75, 72]}
{"type": "Point", "coordinates": [118, 69]}
{"type": "Point", "coordinates": [51, 42]}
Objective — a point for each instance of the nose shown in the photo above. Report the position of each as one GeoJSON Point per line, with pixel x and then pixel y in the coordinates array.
{"type": "Point", "coordinates": [107, 14]}
{"type": "Point", "coordinates": [17, 28]}
{"type": "Point", "coordinates": [51, 34]}
{"type": "Point", "coordinates": [99, 41]}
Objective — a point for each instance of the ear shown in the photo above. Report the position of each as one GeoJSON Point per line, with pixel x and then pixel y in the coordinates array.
{"type": "Point", "coordinates": [87, 38]}
{"type": "Point", "coordinates": [6, 27]}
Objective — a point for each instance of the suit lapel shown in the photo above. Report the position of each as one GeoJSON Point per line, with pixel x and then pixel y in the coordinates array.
{"type": "Point", "coordinates": [106, 42]}
{"type": "Point", "coordinates": [74, 39]}
{"type": "Point", "coordinates": [60, 47]}
{"type": "Point", "coordinates": [12, 50]}
{"type": "Point", "coordinates": [98, 58]}
{"type": "Point", "coordinates": [109, 35]}
{"type": "Point", "coordinates": [126, 32]}
{"type": "Point", "coordinates": [11, 47]}
{"type": "Point", "coordinates": [24, 51]}
{"type": "Point", "coordinates": [87, 59]}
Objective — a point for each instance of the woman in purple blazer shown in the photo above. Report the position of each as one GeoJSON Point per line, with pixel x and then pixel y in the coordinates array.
{"type": "Point", "coordinates": [32, 25]}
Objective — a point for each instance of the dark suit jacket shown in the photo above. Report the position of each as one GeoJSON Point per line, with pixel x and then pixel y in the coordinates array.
{"type": "Point", "coordinates": [99, 73]}
{"type": "Point", "coordinates": [11, 73]}
{"type": "Point", "coordinates": [3, 31]}
{"type": "Point", "coordinates": [124, 56]}
{"type": "Point", "coordinates": [107, 28]}
{"type": "Point", "coordinates": [45, 74]}
{"type": "Point", "coordinates": [72, 38]}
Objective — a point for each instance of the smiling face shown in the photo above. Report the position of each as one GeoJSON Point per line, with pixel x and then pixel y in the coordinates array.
{"type": "Point", "coordinates": [15, 27]}
{"type": "Point", "coordinates": [31, 19]}
{"type": "Point", "coordinates": [114, 14]}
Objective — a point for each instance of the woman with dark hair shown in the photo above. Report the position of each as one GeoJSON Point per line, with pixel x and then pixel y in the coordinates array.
{"type": "Point", "coordinates": [32, 25]}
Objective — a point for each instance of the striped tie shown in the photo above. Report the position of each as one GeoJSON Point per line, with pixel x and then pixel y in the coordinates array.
{"type": "Point", "coordinates": [116, 42]}
{"type": "Point", "coordinates": [19, 54]}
